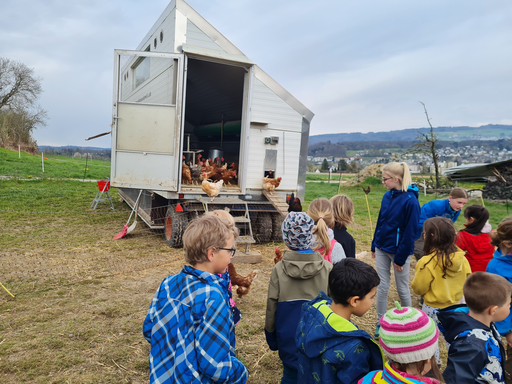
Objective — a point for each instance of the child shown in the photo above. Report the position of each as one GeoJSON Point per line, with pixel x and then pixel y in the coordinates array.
{"type": "Point", "coordinates": [320, 210]}
{"type": "Point", "coordinates": [189, 323]}
{"type": "Point", "coordinates": [409, 339]}
{"type": "Point", "coordinates": [395, 233]}
{"type": "Point", "coordinates": [297, 278]}
{"type": "Point", "coordinates": [331, 348]}
{"type": "Point", "coordinates": [448, 208]}
{"type": "Point", "coordinates": [475, 239]}
{"type": "Point", "coordinates": [476, 354]}
{"type": "Point", "coordinates": [234, 310]}
{"type": "Point", "coordinates": [343, 210]}
{"type": "Point", "coordinates": [501, 265]}
{"type": "Point", "coordinates": [440, 275]}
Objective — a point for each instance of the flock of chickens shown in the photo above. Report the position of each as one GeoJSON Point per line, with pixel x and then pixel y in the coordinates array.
{"type": "Point", "coordinates": [214, 174]}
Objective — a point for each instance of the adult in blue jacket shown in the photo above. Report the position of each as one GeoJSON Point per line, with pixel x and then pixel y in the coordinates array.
{"type": "Point", "coordinates": [395, 232]}
{"type": "Point", "coordinates": [449, 208]}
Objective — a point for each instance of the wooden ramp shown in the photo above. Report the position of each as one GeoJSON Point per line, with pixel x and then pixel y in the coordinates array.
{"type": "Point", "coordinates": [277, 201]}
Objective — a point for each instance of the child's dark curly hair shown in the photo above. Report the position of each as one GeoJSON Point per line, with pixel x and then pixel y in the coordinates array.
{"type": "Point", "coordinates": [440, 238]}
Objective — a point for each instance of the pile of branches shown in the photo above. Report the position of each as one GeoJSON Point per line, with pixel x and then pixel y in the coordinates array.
{"type": "Point", "coordinates": [500, 186]}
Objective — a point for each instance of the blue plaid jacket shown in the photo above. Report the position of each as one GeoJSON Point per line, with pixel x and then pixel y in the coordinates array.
{"type": "Point", "coordinates": [191, 331]}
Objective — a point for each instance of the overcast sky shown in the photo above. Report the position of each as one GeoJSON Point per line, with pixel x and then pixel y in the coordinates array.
{"type": "Point", "coordinates": [360, 66]}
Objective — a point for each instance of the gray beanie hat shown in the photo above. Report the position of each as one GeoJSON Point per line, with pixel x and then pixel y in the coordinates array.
{"type": "Point", "coordinates": [297, 230]}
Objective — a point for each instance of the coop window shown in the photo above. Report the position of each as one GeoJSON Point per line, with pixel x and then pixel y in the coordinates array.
{"type": "Point", "coordinates": [141, 69]}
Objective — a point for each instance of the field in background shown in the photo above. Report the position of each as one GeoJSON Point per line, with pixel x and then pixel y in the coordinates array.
{"type": "Point", "coordinates": [82, 297]}
{"type": "Point", "coordinates": [55, 166]}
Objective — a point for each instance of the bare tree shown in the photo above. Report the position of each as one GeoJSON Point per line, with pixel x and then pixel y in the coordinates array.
{"type": "Point", "coordinates": [19, 113]}
{"type": "Point", "coordinates": [428, 143]}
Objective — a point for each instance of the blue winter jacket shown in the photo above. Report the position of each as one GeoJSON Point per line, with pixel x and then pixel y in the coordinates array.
{"type": "Point", "coordinates": [502, 265]}
{"type": "Point", "coordinates": [436, 208]}
{"type": "Point", "coordinates": [476, 354]}
{"type": "Point", "coordinates": [331, 348]}
{"type": "Point", "coordinates": [398, 223]}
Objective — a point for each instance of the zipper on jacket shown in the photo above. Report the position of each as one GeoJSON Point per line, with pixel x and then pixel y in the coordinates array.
{"type": "Point", "coordinates": [397, 236]}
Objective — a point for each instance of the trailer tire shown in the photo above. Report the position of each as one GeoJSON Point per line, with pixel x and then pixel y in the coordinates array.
{"type": "Point", "coordinates": [264, 234]}
{"type": "Point", "coordinates": [175, 224]}
{"type": "Point", "coordinates": [277, 222]}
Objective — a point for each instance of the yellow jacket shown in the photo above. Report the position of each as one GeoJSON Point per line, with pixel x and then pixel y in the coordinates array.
{"type": "Point", "coordinates": [439, 292]}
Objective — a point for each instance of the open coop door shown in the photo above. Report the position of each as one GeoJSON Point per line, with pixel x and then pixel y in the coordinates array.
{"type": "Point", "coordinates": [146, 120]}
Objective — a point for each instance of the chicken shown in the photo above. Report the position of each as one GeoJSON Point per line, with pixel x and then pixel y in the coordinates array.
{"type": "Point", "coordinates": [227, 175]}
{"type": "Point", "coordinates": [367, 191]}
{"type": "Point", "coordinates": [185, 173]}
{"type": "Point", "coordinates": [195, 172]}
{"type": "Point", "coordinates": [211, 189]}
{"type": "Point", "coordinates": [279, 255]}
{"type": "Point", "coordinates": [271, 184]}
{"type": "Point", "coordinates": [294, 204]}
{"type": "Point", "coordinates": [243, 283]}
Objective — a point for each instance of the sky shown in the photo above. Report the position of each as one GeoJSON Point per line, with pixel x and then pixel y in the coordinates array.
{"type": "Point", "coordinates": [360, 66]}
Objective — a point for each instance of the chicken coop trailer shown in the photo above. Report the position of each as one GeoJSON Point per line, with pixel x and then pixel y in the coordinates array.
{"type": "Point", "coordinates": [185, 95]}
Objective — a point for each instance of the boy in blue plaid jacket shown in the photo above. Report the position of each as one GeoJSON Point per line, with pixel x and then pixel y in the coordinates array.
{"type": "Point", "coordinates": [189, 323]}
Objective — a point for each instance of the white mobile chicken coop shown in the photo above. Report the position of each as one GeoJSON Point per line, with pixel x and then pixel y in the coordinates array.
{"type": "Point", "coordinates": [188, 94]}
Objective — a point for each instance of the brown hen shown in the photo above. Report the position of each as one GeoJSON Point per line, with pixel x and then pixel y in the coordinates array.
{"type": "Point", "coordinates": [279, 255]}
{"type": "Point", "coordinates": [243, 283]}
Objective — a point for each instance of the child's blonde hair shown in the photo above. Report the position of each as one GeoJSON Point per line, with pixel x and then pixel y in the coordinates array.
{"type": "Point", "coordinates": [343, 210]}
{"type": "Point", "coordinates": [206, 232]}
{"type": "Point", "coordinates": [503, 234]}
{"type": "Point", "coordinates": [320, 210]}
{"type": "Point", "coordinates": [400, 170]}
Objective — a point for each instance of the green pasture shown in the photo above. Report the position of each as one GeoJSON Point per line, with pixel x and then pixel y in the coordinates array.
{"type": "Point", "coordinates": [60, 167]}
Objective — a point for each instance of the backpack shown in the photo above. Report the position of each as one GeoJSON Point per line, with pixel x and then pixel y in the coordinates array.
{"type": "Point", "coordinates": [328, 256]}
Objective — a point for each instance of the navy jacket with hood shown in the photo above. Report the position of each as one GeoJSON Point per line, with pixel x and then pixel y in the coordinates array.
{"type": "Point", "coordinates": [331, 348]}
{"type": "Point", "coordinates": [502, 265]}
{"type": "Point", "coordinates": [397, 225]}
{"type": "Point", "coordinates": [476, 354]}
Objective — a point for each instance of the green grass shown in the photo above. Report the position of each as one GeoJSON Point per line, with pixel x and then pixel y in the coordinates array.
{"type": "Point", "coordinates": [325, 176]}
{"type": "Point", "coordinates": [60, 167]}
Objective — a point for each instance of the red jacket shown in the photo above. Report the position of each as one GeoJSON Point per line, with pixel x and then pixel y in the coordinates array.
{"type": "Point", "coordinates": [478, 248]}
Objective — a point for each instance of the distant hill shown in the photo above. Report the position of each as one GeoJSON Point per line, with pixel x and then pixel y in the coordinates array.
{"type": "Point", "coordinates": [484, 132]}
{"type": "Point", "coordinates": [42, 148]}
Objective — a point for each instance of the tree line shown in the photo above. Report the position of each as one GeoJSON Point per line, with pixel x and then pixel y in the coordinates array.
{"type": "Point", "coordinates": [20, 114]}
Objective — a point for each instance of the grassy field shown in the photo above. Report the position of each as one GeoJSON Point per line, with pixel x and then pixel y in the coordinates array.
{"type": "Point", "coordinates": [81, 297]}
{"type": "Point", "coordinates": [59, 167]}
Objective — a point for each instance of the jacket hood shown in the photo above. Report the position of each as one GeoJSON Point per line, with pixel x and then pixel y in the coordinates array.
{"type": "Point", "coordinates": [412, 188]}
{"type": "Point", "coordinates": [330, 233]}
{"type": "Point", "coordinates": [455, 319]}
{"type": "Point", "coordinates": [320, 329]}
{"type": "Point", "coordinates": [504, 259]}
{"type": "Point", "coordinates": [302, 266]}
{"type": "Point", "coordinates": [457, 263]}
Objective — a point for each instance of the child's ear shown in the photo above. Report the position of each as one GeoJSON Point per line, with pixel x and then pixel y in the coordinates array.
{"type": "Point", "coordinates": [210, 253]}
{"type": "Point", "coordinates": [352, 301]}
{"type": "Point", "coordinates": [492, 310]}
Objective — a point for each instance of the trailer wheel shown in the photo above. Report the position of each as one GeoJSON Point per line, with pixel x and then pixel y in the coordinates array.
{"type": "Point", "coordinates": [264, 234]}
{"type": "Point", "coordinates": [175, 224]}
{"type": "Point", "coordinates": [277, 221]}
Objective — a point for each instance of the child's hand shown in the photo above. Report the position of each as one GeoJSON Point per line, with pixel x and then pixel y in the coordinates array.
{"type": "Point", "coordinates": [509, 339]}
{"type": "Point", "coordinates": [373, 255]}
{"type": "Point", "coordinates": [399, 268]}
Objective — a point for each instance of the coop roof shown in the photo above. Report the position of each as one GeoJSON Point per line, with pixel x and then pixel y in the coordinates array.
{"type": "Point", "coordinates": [230, 52]}
{"type": "Point", "coordinates": [475, 170]}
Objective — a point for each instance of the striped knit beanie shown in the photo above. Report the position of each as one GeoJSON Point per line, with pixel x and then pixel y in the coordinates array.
{"type": "Point", "coordinates": [297, 231]}
{"type": "Point", "coordinates": [408, 335]}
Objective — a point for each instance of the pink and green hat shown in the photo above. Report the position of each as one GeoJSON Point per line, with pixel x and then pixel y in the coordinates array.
{"type": "Point", "coordinates": [408, 335]}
